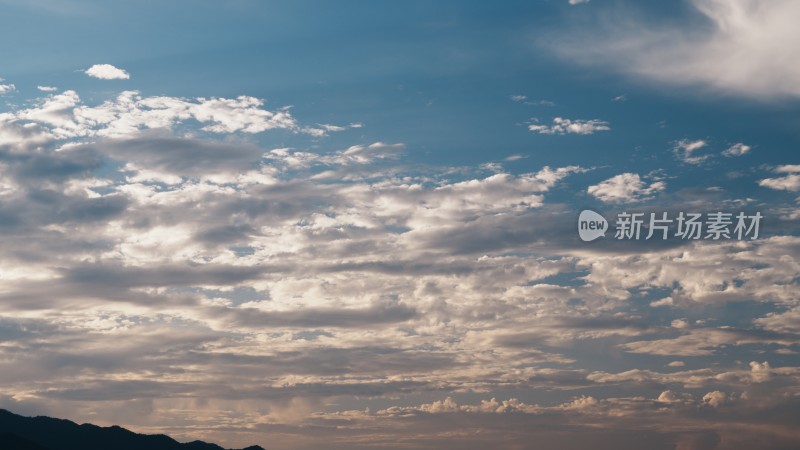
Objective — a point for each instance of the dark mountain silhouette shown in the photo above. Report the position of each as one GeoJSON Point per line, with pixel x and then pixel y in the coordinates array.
{"type": "Point", "coordinates": [46, 433]}
{"type": "Point", "coordinates": [10, 441]}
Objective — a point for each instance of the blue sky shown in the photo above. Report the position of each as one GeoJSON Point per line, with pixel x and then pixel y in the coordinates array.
{"type": "Point", "coordinates": [334, 224]}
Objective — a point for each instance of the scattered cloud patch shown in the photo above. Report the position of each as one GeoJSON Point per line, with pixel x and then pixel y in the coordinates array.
{"type": "Point", "coordinates": [625, 188]}
{"type": "Point", "coordinates": [736, 150]}
{"type": "Point", "coordinates": [323, 129]}
{"type": "Point", "coordinates": [7, 88]}
{"type": "Point", "coordinates": [686, 150]}
{"type": "Point", "coordinates": [47, 88]}
{"type": "Point", "coordinates": [524, 100]}
{"type": "Point", "coordinates": [562, 126]}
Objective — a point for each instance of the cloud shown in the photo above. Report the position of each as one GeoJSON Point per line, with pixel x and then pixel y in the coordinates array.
{"type": "Point", "coordinates": [179, 156]}
{"type": "Point", "coordinates": [669, 396]}
{"type": "Point", "coordinates": [625, 188]}
{"type": "Point", "coordinates": [789, 182]}
{"type": "Point", "coordinates": [363, 153]}
{"type": "Point", "coordinates": [666, 301]}
{"type": "Point", "coordinates": [107, 72]}
{"type": "Point", "coordinates": [7, 88]}
{"type": "Point", "coordinates": [716, 398]}
{"type": "Point", "coordinates": [47, 88]}
{"type": "Point", "coordinates": [680, 323]}
{"type": "Point", "coordinates": [789, 168]}
{"type": "Point", "coordinates": [740, 50]}
{"type": "Point", "coordinates": [567, 126]}
{"type": "Point", "coordinates": [685, 150]}
{"type": "Point", "coordinates": [64, 116]}
{"type": "Point", "coordinates": [736, 150]}
{"type": "Point", "coordinates": [578, 2]}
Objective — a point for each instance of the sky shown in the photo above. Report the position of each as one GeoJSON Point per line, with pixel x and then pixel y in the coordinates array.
{"type": "Point", "coordinates": [356, 224]}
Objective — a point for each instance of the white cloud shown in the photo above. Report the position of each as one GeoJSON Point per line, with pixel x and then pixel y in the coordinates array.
{"type": "Point", "coordinates": [578, 2]}
{"type": "Point", "coordinates": [625, 187]}
{"type": "Point", "coordinates": [565, 126]}
{"type": "Point", "coordinates": [736, 150]}
{"type": "Point", "coordinates": [685, 151]}
{"type": "Point", "coordinates": [789, 182]}
{"type": "Point", "coordinates": [742, 49]}
{"type": "Point", "coordinates": [519, 98]}
{"type": "Point", "coordinates": [107, 72]}
{"type": "Point", "coordinates": [7, 88]}
{"type": "Point", "coordinates": [789, 168]}
{"type": "Point", "coordinates": [47, 88]}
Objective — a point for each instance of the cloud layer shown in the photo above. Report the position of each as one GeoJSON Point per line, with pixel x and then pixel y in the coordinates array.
{"type": "Point", "coordinates": [164, 269]}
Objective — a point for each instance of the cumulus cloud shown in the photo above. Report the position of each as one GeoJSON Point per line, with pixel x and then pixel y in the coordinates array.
{"type": "Point", "coordinates": [7, 88]}
{"type": "Point", "coordinates": [741, 50]}
{"type": "Point", "coordinates": [760, 371]}
{"type": "Point", "coordinates": [625, 187]}
{"type": "Point", "coordinates": [669, 396]}
{"type": "Point", "coordinates": [716, 398]}
{"type": "Point", "coordinates": [567, 126]}
{"type": "Point", "coordinates": [107, 72]}
{"type": "Point", "coordinates": [47, 88]}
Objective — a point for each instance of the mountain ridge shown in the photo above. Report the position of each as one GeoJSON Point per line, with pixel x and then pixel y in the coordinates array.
{"type": "Point", "coordinates": [49, 433]}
